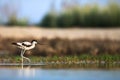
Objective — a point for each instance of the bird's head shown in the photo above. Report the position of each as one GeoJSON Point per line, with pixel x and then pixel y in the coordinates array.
{"type": "Point", "coordinates": [34, 41]}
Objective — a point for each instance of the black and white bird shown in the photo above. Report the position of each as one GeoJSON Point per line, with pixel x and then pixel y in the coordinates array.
{"type": "Point", "coordinates": [24, 46]}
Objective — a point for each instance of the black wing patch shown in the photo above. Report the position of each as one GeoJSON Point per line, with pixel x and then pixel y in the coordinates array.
{"type": "Point", "coordinates": [26, 45]}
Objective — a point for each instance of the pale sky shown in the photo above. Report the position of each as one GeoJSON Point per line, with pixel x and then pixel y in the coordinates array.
{"type": "Point", "coordinates": [36, 9]}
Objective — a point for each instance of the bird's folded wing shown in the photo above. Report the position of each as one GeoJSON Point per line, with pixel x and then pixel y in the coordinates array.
{"type": "Point", "coordinates": [27, 44]}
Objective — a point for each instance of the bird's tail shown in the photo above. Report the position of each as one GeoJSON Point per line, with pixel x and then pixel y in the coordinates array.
{"type": "Point", "coordinates": [14, 43]}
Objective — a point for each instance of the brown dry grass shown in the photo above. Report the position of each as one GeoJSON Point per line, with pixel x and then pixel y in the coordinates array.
{"type": "Point", "coordinates": [70, 33]}
{"type": "Point", "coordinates": [62, 42]}
{"type": "Point", "coordinates": [62, 47]}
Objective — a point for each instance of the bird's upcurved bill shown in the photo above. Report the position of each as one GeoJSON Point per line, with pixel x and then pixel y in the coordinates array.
{"type": "Point", "coordinates": [41, 43]}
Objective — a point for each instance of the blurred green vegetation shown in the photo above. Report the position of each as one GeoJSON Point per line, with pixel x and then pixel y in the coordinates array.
{"type": "Point", "coordinates": [75, 16]}
{"type": "Point", "coordinates": [85, 16]}
{"type": "Point", "coordinates": [49, 20]}
{"type": "Point", "coordinates": [82, 59]}
{"type": "Point", "coordinates": [12, 21]}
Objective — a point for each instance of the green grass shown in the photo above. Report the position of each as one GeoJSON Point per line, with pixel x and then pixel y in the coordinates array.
{"type": "Point", "coordinates": [82, 59]}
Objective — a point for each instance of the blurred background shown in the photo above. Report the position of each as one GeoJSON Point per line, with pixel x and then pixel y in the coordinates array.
{"type": "Point", "coordinates": [81, 37]}
{"type": "Point", "coordinates": [81, 26]}
{"type": "Point", "coordinates": [60, 13]}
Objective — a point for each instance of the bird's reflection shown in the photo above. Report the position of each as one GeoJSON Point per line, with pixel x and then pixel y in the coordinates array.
{"type": "Point", "coordinates": [26, 71]}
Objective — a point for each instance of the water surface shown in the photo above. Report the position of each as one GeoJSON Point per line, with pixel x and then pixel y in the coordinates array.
{"type": "Point", "coordinates": [41, 73]}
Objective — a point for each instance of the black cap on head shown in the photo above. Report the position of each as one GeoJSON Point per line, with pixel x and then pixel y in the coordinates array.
{"type": "Point", "coordinates": [34, 40]}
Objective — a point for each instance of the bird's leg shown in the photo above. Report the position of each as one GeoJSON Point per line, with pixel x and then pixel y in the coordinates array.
{"type": "Point", "coordinates": [22, 55]}
{"type": "Point", "coordinates": [25, 57]}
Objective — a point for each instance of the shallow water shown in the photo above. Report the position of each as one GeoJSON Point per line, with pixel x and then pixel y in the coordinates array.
{"type": "Point", "coordinates": [41, 73]}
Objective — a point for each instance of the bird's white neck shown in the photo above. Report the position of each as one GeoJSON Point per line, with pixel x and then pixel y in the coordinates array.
{"type": "Point", "coordinates": [31, 47]}
{"type": "Point", "coordinates": [33, 43]}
